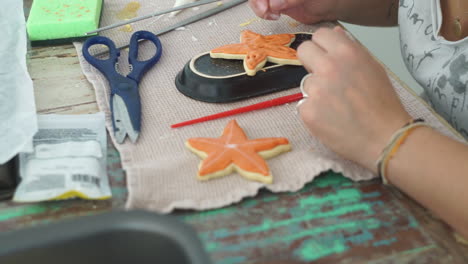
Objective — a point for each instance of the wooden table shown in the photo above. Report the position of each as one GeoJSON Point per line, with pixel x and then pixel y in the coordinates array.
{"type": "Point", "coordinates": [331, 220]}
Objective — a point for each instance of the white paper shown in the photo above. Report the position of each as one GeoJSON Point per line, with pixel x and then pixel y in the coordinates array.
{"type": "Point", "coordinates": [18, 122]}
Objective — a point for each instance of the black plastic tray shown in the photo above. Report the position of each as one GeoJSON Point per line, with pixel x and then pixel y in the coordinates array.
{"type": "Point", "coordinates": [219, 80]}
{"type": "Point", "coordinates": [8, 178]}
{"type": "Point", "coordinates": [116, 237]}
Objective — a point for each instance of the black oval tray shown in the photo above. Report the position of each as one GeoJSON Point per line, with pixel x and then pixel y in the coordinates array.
{"type": "Point", "coordinates": [220, 80]}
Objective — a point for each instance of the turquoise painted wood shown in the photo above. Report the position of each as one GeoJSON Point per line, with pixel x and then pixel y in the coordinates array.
{"type": "Point", "coordinates": [331, 220]}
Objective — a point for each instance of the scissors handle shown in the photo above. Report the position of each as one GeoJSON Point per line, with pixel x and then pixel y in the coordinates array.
{"type": "Point", "coordinates": [106, 66]}
{"type": "Point", "coordinates": [141, 67]}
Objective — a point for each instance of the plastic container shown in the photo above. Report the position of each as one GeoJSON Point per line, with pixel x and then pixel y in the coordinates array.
{"type": "Point", "coordinates": [116, 237]}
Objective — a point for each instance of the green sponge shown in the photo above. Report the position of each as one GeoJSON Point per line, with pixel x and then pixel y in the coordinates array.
{"type": "Point", "coordinates": [60, 21]}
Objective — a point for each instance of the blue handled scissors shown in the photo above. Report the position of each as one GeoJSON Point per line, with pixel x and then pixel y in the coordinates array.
{"type": "Point", "coordinates": [124, 99]}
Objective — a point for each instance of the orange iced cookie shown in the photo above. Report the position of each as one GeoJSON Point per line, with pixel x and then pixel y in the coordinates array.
{"type": "Point", "coordinates": [256, 49]}
{"type": "Point", "coordinates": [233, 151]}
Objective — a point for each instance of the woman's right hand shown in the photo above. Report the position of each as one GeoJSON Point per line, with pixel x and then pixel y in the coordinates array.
{"type": "Point", "coordinates": [304, 11]}
{"type": "Point", "coordinates": [351, 105]}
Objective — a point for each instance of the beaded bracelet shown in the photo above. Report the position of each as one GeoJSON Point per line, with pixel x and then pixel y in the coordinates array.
{"type": "Point", "coordinates": [394, 144]}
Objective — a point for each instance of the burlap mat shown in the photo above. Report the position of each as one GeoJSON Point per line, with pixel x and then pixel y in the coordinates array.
{"type": "Point", "coordinates": [161, 172]}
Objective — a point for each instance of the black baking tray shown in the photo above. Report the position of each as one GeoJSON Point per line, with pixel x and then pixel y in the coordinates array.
{"type": "Point", "coordinates": [220, 80]}
{"type": "Point", "coordinates": [8, 178]}
{"type": "Point", "coordinates": [117, 237]}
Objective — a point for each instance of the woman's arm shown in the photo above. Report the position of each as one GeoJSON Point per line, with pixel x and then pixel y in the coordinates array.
{"type": "Point", "coordinates": [362, 12]}
{"type": "Point", "coordinates": [433, 169]}
{"type": "Point", "coordinates": [368, 12]}
{"type": "Point", "coordinates": [353, 109]}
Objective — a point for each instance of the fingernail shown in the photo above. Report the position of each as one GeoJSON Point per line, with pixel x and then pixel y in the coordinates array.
{"type": "Point", "coordinates": [272, 16]}
{"type": "Point", "coordinates": [277, 4]}
{"type": "Point", "coordinates": [338, 28]}
{"type": "Point", "coordinates": [262, 6]}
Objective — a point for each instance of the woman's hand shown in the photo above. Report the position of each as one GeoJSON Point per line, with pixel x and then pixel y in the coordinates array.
{"type": "Point", "coordinates": [304, 11]}
{"type": "Point", "coordinates": [351, 106]}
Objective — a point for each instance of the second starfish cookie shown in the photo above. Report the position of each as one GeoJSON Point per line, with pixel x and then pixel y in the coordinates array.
{"type": "Point", "coordinates": [256, 49]}
{"type": "Point", "coordinates": [233, 151]}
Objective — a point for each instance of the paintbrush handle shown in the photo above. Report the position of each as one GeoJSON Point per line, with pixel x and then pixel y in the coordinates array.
{"type": "Point", "coordinates": [262, 105]}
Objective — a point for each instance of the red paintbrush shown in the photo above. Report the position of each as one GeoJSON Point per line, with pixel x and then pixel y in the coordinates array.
{"type": "Point", "coordinates": [274, 102]}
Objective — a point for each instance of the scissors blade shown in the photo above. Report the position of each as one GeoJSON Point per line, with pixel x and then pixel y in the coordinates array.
{"type": "Point", "coordinates": [122, 123]}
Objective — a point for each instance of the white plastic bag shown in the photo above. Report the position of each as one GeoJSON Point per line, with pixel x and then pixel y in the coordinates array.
{"type": "Point", "coordinates": [68, 161]}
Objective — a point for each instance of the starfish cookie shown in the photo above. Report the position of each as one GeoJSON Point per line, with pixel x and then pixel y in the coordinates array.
{"type": "Point", "coordinates": [233, 151]}
{"type": "Point", "coordinates": [256, 50]}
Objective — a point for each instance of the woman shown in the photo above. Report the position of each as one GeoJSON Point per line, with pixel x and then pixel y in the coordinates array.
{"type": "Point", "coordinates": [351, 105]}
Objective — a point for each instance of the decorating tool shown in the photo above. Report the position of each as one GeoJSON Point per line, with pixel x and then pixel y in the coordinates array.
{"type": "Point", "coordinates": [203, 2]}
{"type": "Point", "coordinates": [205, 14]}
{"type": "Point", "coordinates": [180, 3]}
{"type": "Point", "coordinates": [265, 104]}
{"type": "Point", "coordinates": [125, 100]}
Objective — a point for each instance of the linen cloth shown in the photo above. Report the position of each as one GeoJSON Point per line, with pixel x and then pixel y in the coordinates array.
{"type": "Point", "coordinates": [161, 171]}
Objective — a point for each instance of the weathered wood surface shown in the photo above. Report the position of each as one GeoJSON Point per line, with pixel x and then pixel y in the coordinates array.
{"type": "Point", "coordinates": [331, 220]}
{"type": "Point", "coordinates": [59, 84]}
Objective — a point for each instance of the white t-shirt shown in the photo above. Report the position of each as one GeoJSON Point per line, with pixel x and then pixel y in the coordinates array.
{"type": "Point", "coordinates": [439, 65]}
